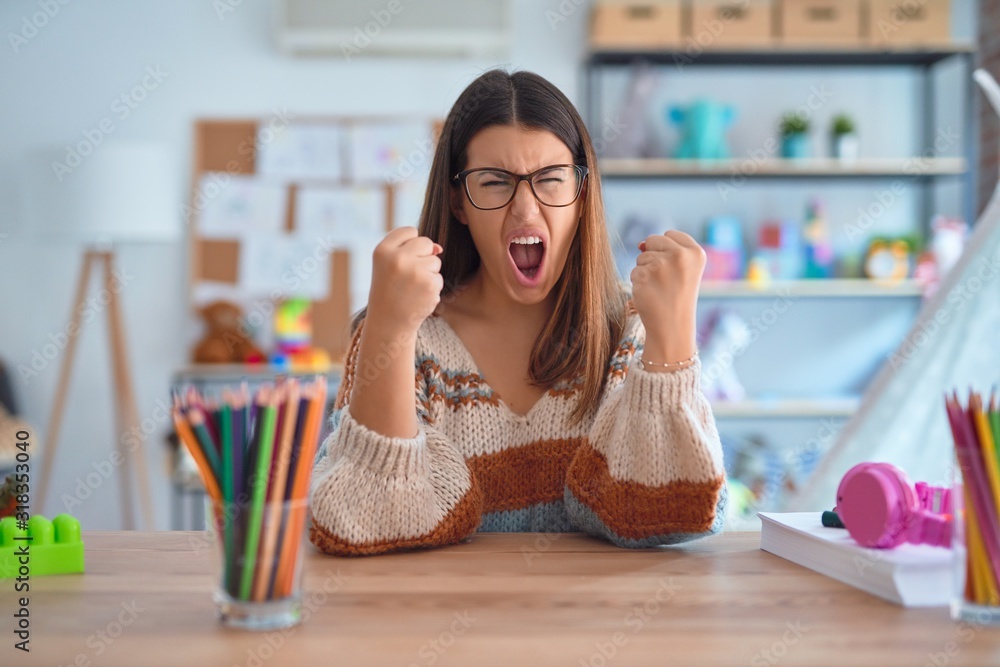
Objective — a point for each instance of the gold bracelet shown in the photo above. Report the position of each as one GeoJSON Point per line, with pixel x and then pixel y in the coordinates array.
{"type": "Point", "coordinates": [674, 364]}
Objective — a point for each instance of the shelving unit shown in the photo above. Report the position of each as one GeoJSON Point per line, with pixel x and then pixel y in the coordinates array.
{"type": "Point", "coordinates": [799, 410]}
{"type": "Point", "coordinates": [921, 168]}
{"type": "Point", "coordinates": [787, 408]}
{"type": "Point", "coordinates": [834, 287]}
{"type": "Point", "coordinates": [916, 168]}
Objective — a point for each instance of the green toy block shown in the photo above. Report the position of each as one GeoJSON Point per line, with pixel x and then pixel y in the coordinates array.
{"type": "Point", "coordinates": [53, 547]}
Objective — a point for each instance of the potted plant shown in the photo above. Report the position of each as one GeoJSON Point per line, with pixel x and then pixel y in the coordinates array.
{"type": "Point", "coordinates": [794, 136]}
{"type": "Point", "coordinates": [844, 143]}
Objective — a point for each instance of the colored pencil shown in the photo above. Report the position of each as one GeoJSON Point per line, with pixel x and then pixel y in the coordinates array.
{"type": "Point", "coordinates": [226, 429]}
{"type": "Point", "coordinates": [276, 492]}
{"type": "Point", "coordinates": [300, 488]}
{"type": "Point", "coordinates": [261, 465]}
{"type": "Point", "coordinates": [197, 420]}
{"type": "Point", "coordinates": [187, 437]}
{"type": "Point", "coordinates": [255, 457]}
{"type": "Point", "coordinates": [976, 451]}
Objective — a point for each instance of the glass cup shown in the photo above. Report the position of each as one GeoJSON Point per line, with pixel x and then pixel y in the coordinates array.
{"type": "Point", "coordinates": [258, 562]}
{"type": "Point", "coordinates": [974, 600]}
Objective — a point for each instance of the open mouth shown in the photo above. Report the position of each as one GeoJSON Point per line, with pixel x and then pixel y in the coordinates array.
{"type": "Point", "coordinates": [527, 252]}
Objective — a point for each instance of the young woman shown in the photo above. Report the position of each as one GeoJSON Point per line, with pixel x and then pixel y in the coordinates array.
{"type": "Point", "coordinates": [500, 378]}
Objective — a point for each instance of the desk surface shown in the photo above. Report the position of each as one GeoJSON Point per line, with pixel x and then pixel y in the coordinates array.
{"type": "Point", "coordinates": [503, 599]}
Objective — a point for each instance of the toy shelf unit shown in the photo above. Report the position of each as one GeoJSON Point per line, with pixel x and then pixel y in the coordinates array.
{"type": "Point", "coordinates": [926, 166]}
{"type": "Point", "coordinates": [816, 340]}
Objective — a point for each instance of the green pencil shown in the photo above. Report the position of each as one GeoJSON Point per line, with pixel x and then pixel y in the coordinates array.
{"type": "Point", "coordinates": [262, 459]}
{"type": "Point", "coordinates": [226, 474]}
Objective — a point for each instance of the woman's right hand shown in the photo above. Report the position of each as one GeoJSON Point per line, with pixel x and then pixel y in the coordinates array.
{"type": "Point", "coordinates": [406, 282]}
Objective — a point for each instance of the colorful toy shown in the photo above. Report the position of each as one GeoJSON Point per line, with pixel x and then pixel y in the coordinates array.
{"type": "Point", "coordinates": [724, 249]}
{"type": "Point", "coordinates": [759, 272]}
{"type": "Point", "coordinates": [703, 129]}
{"type": "Point", "coordinates": [293, 338]}
{"type": "Point", "coordinates": [888, 259]}
{"type": "Point", "coordinates": [53, 547]}
{"type": "Point", "coordinates": [819, 258]}
{"type": "Point", "coordinates": [226, 340]}
{"type": "Point", "coordinates": [780, 245]}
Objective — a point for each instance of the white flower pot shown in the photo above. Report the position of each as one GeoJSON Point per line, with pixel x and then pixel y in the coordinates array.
{"type": "Point", "coordinates": [845, 147]}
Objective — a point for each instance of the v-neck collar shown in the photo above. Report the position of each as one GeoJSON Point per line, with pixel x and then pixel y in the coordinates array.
{"type": "Point", "coordinates": [526, 417]}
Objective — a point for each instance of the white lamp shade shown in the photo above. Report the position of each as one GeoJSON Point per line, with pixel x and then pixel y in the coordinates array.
{"type": "Point", "coordinates": [119, 192]}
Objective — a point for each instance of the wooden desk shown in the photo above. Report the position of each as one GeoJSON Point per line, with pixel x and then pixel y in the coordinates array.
{"type": "Point", "coordinates": [500, 599]}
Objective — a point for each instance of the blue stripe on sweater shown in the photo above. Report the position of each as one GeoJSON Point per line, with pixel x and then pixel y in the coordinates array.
{"type": "Point", "coordinates": [585, 519]}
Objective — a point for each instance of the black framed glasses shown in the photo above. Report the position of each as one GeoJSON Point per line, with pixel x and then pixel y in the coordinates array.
{"type": "Point", "coordinates": [491, 188]}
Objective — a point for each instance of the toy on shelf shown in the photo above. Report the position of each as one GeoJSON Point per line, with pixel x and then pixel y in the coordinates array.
{"type": "Point", "coordinates": [724, 251]}
{"type": "Point", "coordinates": [54, 547]}
{"type": "Point", "coordinates": [725, 333]}
{"type": "Point", "coordinates": [759, 272]}
{"type": "Point", "coordinates": [225, 341]}
{"type": "Point", "coordinates": [947, 243]}
{"type": "Point", "coordinates": [888, 259]}
{"type": "Point", "coordinates": [780, 246]}
{"type": "Point", "coordinates": [819, 260]}
{"type": "Point", "coordinates": [766, 474]}
{"type": "Point", "coordinates": [293, 338]}
{"type": "Point", "coordinates": [703, 129]}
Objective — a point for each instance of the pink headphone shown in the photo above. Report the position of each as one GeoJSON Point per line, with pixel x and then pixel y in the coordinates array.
{"type": "Point", "coordinates": [880, 508]}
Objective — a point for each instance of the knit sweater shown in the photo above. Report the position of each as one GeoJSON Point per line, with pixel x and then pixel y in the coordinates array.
{"type": "Point", "coordinates": [644, 469]}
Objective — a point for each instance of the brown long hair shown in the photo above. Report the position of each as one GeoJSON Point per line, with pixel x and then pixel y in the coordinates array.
{"type": "Point", "coordinates": [590, 310]}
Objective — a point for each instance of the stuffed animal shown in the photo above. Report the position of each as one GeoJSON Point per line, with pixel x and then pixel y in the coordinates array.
{"type": "Point", "coordinates": [226, 340]}
{"type": "Point", "coordinates": [703, 129]}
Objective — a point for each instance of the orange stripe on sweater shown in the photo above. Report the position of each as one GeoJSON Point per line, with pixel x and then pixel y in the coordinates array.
{"type": "Point", "coordinates": [523, 476]}
{"type": "Point", "coordinates": [458, 524]}
{"type": "Point", "coordinates": [636, 511]}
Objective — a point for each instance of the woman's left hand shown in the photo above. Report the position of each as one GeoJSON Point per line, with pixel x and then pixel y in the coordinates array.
{"type": "Point", "coordinates": [665, 284]}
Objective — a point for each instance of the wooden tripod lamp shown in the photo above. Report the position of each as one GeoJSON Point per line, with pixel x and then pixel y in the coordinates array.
{"type": "Point", "coordinates": [118, 194]}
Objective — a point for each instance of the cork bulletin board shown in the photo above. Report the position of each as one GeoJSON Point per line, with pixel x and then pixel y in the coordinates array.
{"type": "Point", "coordinates": [385, 159]}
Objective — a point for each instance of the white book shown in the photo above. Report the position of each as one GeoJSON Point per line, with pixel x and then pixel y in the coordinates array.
{"type": "Point", "coordinates": [911, 575]}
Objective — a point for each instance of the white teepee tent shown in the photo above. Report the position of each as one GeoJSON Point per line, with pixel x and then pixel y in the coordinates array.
{"type": "Point", "coordinates": [954, 344]}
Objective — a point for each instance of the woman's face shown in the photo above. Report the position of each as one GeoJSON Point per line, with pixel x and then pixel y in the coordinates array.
{"type": "Point", "coordinates": [525, 271]}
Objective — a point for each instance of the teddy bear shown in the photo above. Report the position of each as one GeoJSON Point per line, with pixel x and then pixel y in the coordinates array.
{"type": "Point", "coordinates": [226, 340]}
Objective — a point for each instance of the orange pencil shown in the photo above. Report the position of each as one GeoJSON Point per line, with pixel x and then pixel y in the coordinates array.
{"type": "Point", "coordinates": [276, 491]}
{"type": "Point", "coordinates": [300, 488]}
{"type": "Point", "coordinates": [187, 437]}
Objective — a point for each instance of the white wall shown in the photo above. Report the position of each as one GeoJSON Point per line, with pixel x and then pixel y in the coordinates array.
{"type": "Point", "coordinates": [64, 80]}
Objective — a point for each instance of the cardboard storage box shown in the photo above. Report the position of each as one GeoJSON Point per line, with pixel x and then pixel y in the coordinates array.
{"type": "Point", "coordinates": [821, 23]}
{"type": "Point", "coordinates": [728, 23]}
{"type": "Point", "coordinates": [634, 24]}
{"type": "Point", "coordinates": [909, 22]}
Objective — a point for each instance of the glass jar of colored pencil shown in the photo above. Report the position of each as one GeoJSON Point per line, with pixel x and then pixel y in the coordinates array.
{"type": "Point", "coordinates": [255, 458]}
{"type": "Point", "coordinates": [976, 500]}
